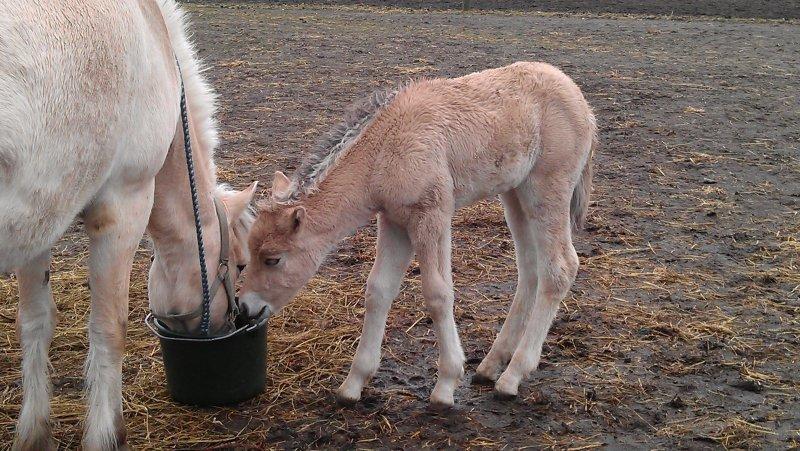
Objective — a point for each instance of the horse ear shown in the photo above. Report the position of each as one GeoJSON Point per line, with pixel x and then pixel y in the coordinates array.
{"type": "Point", "coordinates": [280, 186]}
{"type": "Point", "coordinates": [237, 202]}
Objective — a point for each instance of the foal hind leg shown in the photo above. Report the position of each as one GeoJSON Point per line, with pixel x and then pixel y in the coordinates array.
{"type": "Point", "coordinates": [525, 296]}
{"type": "Point", "coordinates": [115, 225]}
{"type": "Point", "coordinates": [557, 266]}
{"type": "Point", "coordinates": [36, 320]}
{"type": "Point", "coordinates": [393, 257]}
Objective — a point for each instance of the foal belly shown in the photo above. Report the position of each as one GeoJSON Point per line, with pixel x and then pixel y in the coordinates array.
{"type": "Point", "coordinates": [488, 177]}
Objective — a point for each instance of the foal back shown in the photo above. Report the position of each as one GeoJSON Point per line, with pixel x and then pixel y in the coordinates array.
{"type": "Point", "coordinates": [484, 133]}
{"type": "Point", "coordinates": [87, 89]}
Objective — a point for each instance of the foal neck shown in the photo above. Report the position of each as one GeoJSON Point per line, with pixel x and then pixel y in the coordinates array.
{"type": "Point", "coordinates": [342, 202]}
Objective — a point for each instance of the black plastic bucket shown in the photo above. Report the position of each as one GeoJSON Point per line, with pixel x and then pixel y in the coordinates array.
{"type": "Point", "coordinates": [214, 371]}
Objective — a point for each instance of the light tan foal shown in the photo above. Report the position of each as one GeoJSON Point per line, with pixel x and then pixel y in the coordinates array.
{"type": "Point", "coordinates": [413, 157]}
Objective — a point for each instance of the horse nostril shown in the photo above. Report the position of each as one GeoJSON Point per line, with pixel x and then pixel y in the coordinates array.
{"type": "Point", "coordinates": [241, 267]}
{"type": "Point", "coordinates": [176, 326]}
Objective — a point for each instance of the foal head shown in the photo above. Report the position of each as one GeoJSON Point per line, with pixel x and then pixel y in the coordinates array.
{"type": "Point", "coordinates": [284, 254]}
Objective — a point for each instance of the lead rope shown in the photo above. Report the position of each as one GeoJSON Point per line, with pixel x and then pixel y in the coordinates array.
{"type": "Point", "coordinates": [187, 148]}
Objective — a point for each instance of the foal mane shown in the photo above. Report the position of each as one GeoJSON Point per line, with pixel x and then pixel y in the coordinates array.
{"type": "Point", "coordinates": [337, 141]}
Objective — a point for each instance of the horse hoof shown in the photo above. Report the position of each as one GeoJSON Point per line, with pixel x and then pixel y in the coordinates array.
{"type": "Point", "coordinates": [41, 442]}
{"type": "Point", "coordinates": [503, 396]}
{"type": "Point", "coordinates": [506, 387]}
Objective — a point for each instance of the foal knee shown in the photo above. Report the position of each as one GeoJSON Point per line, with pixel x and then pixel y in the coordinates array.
{"type": "Point", "coordinates": [439, 308]}
{"type": "Point", "coordinates": [439, 299]}
{"type": "Point", "coordinates": [37, 321]}
{"type": "Point", "coordinates": [380, 292]}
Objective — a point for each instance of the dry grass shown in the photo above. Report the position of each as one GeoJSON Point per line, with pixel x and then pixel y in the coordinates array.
{"type": "Point", "coordinates": [311, 344]}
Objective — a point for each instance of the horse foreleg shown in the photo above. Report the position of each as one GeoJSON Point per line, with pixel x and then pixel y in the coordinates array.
{"type": "Point", "coordinates": [115, 224]}
{"type": "Point", "coordinates": [393, 257]}
{"type": "Point", "coordinates": [36, 320]}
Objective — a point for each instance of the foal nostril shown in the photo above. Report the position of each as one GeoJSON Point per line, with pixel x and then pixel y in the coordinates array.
{"type": "Point", "coordinates": [252, 305]}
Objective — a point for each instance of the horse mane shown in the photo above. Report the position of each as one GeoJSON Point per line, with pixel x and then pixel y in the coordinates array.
{"type": "Point", "coordinates": [201, 99]}
{"type": "Point", "coordinates": [335, 143]}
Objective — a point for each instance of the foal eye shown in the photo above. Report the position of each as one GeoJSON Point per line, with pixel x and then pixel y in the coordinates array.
{"type": "Point", "coordinates": [272, 261]}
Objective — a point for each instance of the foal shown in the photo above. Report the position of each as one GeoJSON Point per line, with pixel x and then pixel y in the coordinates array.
{"type": "Point", "coordinates": [413, 156]}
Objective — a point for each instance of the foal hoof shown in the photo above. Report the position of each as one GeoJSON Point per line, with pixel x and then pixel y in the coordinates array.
{"type": "Point", "coordinates": [503, 396]}
{"type": "Point", "coordinates": [506, 388]}
{"type": "Point", "coordinates": [436, 406]}
{"type": "Point", "coordinates": [346, 399]}
{"type": "Point", "coordinates": [482, 379]}
{"type": "Point", "coordinates": [41, 442]}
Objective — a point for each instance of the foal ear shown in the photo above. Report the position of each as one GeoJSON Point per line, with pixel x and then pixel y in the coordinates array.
{"type": "Point", "coordinates": [237, 202]}
{"type": "Point", "coordinates": [298, 217]}
{"type": "Point", "coordinates": [280, 186]}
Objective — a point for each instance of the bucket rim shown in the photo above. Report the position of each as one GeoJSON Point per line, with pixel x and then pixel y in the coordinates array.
{"type": "Point", "coordinates": [161, 331]}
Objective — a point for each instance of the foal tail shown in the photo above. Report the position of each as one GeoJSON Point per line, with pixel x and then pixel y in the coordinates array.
{"type": "Point", "coordinates": [579, 206]}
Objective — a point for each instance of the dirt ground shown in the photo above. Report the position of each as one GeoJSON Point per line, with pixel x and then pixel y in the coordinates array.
{"type": "Point", "coordinates": [682, 330]}
{"type": "Point", "coordinates": [765, 9]}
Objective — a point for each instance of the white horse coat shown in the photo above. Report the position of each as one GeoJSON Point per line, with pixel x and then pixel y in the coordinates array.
{"type": "Point", "coordinates": [89, 126]}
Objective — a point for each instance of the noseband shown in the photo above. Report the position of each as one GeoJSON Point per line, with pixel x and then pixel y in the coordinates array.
{"type": "Point", "coordinates": [224, 279]}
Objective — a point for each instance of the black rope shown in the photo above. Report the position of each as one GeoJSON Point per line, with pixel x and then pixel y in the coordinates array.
{"type": "Point", "coordinates": [187, 148]}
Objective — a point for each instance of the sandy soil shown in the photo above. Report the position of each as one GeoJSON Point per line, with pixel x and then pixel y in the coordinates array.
{"type": "Point", "coordinates": [682, 330]}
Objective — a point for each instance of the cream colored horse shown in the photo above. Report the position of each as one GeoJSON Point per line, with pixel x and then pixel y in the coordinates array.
{"type": "Point", "coordinates": [90, 127]}
{"type": "Point", "coordinates": [523, 132]}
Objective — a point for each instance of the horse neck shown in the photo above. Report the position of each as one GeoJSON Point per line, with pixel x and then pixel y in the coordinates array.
{"type": "Point", "coordinates": [172, 217]}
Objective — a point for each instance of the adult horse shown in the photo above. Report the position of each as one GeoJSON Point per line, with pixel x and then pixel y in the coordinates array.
{"type": "Point", "coordinates": [90, 127]}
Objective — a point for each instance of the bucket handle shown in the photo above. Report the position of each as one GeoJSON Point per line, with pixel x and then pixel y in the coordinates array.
{"type": "Point", "coordinates": [152, 323]}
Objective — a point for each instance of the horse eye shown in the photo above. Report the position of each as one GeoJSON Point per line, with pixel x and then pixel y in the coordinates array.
{"type": "Point", "coordinates": [271, 261]}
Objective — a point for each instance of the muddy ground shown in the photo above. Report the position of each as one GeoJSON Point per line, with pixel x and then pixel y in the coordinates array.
{"type": "Point", "coordinates": [682, 330]}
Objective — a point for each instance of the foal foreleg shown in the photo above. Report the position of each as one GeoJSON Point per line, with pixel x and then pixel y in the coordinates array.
{"type": "Point", "coordinates": [36, 320]}
{"type": "Point", "coordinates": [115, 225]}
{"type": "Point", "coordinates": [393, 257]}
{"type": "Point", "coordinates": [431, 238]}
